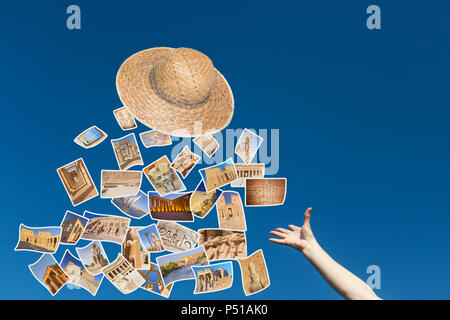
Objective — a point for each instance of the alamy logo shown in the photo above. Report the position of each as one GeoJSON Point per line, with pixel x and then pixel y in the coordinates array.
{"type": "Point", "coordinates": [374, 280]}
{"type": "Point", "coordinates": [374, 20]}
{"type": "Point", "coordinates": [73, 21]}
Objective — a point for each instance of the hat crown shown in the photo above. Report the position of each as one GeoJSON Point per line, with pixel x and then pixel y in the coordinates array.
{"type": "Point", "coordinates": [184, 77]}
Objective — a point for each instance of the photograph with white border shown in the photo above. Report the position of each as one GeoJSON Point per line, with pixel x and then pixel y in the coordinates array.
{"type": "Point", "coordinates": [38, 239]}
{"type": "Point", "coordinates": [201, 201]}
{"type": "Point", "coordinates": [223, 244]}
{"type": "Point", "coordinates": [175, 237]}
{"type": "Point", "coordinates": [171, 207]}
{"type": "Point", "coordinates": [213, 278]}
{"type": "Point", "coordinates": [154, 282]}
{"type": "Point", "coordinates": [90, 137]}
{"type": "Point", "coordinates": [124, 119]}
{"type": "Point", "coordinates": [247, 145]}
{"type": "Point", "coordinates": [122, 275]}
{"type": "Point", "coordinates": [72, 227]}
{"type": "Point", "coordinates": [49, 273]}
{"type": "Point", "coordinates": [254, 273]}
{"type": "Point", "coordinates": [154, 138]}
{"type": "Point", "coordinates": [127, 152]}
{"type": "Point", "coordinates": [120, 183]}
{"type": "Point", "coordinates": [93, 257]}
{"type": "Point", "coordinates": [208, 144]}
{"type": "Point", "coordinates": [246, 171]}
{"type": "Point", "coordinates": [218, 175]}
{"type": "Point", "coordinates": [230, 211]}
{"type": "Point", "coordinates": [133, 206]}
{"type": "Point", "coordinates": [106, 228]}
{"type": "Point", "coordinates": [265, 192]}
{"type": "Point", "coordinates": [163, 178]}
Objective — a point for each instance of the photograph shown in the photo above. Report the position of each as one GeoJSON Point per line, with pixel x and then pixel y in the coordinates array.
{"type": "Point", "coordinates": [223, 244]}
{"type": "Point", "coordinates": [93, 257]}
{"type": "Point", "coordinates": [219, 175]}
{"type": "Point", "coordinates": [38, 239]}
{"type": "Point", "coordinates": [134, 251]}
{"type": "Point", "coordinates": [133, 206]}
{"type": "Point", "coordinates": [175, 237]}
{"type": "Point", "coordinates": [90, 137]}
{"type": "Point", "coordinates": [155, 138]}
{"type": "Point", "coordinates": [177, 266]}
{"type": "Point", "coordinates": [172, 207]}
{"type": "Point", "coordinates": [163, 177]}
{"type": "Point", "coordinates": [264, 192]}
{"type": "Point", "coordinates": [105, 227]}
{"type": "Point", "coordinates": [154, 281]}
{"type": "Point", "coordinates": [77, 182]}
{"type": "Point", "coordinates": [247, 145]}
{"type": "Point", "coordinates": [254, 273]}
{"type": "Point", "coordinates": [122, 275]}
{"type": "Point", "coordinates": [72, 227]}
{"type": "Point", "coordinates": [78, 274]}
{"type": "Point", "coordinates": [245, 171]}
{"type": "Point", "coordinates": [208, 144]}
{"type": "Point", "coordinates": [124, 119]}
{"type": "Point", "coordinates": [185, 161]}
{"type": "Point", "coordinates": [48, 272]}
{"type": "Point", "coordinates": [118, 183]}
{"type": "Point", "coordinates": [214, 277]}
{"type": "Point", "coordinates": [201, 201]}
{"type": "Point", "coordinates": [230, 211]}
{"type": "Point", "coordinates": [151, 239]}
{"type": "Point", "coordinates": [127, 152]}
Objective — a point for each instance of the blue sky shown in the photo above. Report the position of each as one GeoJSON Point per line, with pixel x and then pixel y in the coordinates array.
{"type": "Point", "coordinates": [41, 265]}
{"type": "Point", "coordinates": [150, 229]}
{"type": "Point", "coordinates": [92, 134]}
{"type": "Point", "coordinates": [141, 203]}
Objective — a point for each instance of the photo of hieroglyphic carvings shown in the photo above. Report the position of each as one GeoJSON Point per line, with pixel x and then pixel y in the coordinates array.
{"type": "Point", "coordinates": [133, 206]}
{"type": "Point", "coordinates": [245, 171]}
{"type": "Point", "coordinates": [127, 152]}
{"type": "Point", "coordinates": [134, 251]}
{"type": "Point", "coordinates": [201, 201]}
{"type": "Point", "coordinates": [172, 207]}
{"type": "Point", "coordinates": [214, 277]}
{"type": "Point", "coordinates": [105, 228]}
{"type": "Point", "coordinates": [45, 239]}
{"type": "Point", "coordinates": [223, 244]}
{"type": "Point", "coordinates": [72, 227]}
{"type": "Point", "coordinates": [163, 177]}
{"type": "Point", "coordinates": [208, 144]}
{"type": "Point", "coordinates": [93, 257]}
{"type": "Point", "coordinates": [265, 191]}
{"type": "Point", "coordinates": [90, 137]}
{"type": "Point", "coordinates": [154, 281]}
{"type": "Point", "coordinates": [78, 275]}
{"type": "Point", "coordinates": [151, 239]}
{"type": "Point", "coordinates": [176, 237]}
{"type": "Point", "coordinates": [185, 161]}
{"type": "Point", "coordinates": [230, 211]}
{"type": "Point", "coordinates": [77, 181]}
{"type": "Point", "coordinates": [247, 145]}
{"type": "Point", "coordinates": [117, 183]}
{"type": "Point", "coordinates": [122, 275]}
{"type": "Point", "coordinates": [218, 175]}
{"type": "Point", "coordinates": [255, 276]}
{"type": "Point", "coordinates": [177, 266]}
{"type": "Point", "coordinates": [155, 138]}
{"type": "Point", "coordinates": [124, 118]}
{"type": "Point", "coordinates": [48, 272]}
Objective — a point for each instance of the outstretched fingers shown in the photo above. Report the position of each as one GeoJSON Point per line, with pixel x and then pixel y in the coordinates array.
{"type": "Point", "coordinates": [279, 241]}
{"type": "Point", "coordinates": [278, 234]}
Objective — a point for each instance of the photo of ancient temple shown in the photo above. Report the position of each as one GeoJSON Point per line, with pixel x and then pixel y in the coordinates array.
{"type": "Point", "coordinates": [90, 137]}
{"type": "Point", "coordinates": [48, 272]}
{"type": "Point", "coordinates": [127, 152]}
{"type": "Point", "coordinates": [105, 228]}
{"type": "Point", "coordinates": [208, 144]}
{"type": "Point", "coordinates": [155, 138]}
{"type": "Point", "coordinates": [214, 277]}
{"type": "Point", "coordinates": [150, 238]}
{"type": "Point", "coordinates": [247, 145]}
{"type": "Point", "coordinates": [202, 202]}
{"type": "Point", "coordinates": [177, 266]}
{"type": "Point", "coordinates": [219, 175]}
{"type": "Point", "coordinates": [134, 251]}
{"type": "Point", "coordinates": [265, 191]}
{"type": "Point", "coordinates": [72, 227]}
{"type": "Point", "coordinates": [185, 161]}
{"type": "Point", "coordinates": [118, 183]}
{"type": "Point", "coordinates": [245, 171]}
{"type": "Point", "coordinates": [172, 207]}
{"type": "Point", "coordinates": [93, 257]}
{"type": "Point", "coordinates": [133, 206]}
{"type": "Point", "coordinates": [175, 237]}
{"type": "Point", "coordinates": [77, 181]}
{"type": "Point", "coordinates": [45, 239]}
{"type": "Point", "coordinates": [255, 276]}
{"type": "Point", "coordinates": [124, 118]}
{"type": "Point", "coordinates": [230, 211]}
{"type": "Point", "coordinates": [163, 177]}
{"type": "Point", "coordinates": [223, 244]}
{"type": "Point", "coordinates": [78, 274]}
{"type": "Point", "coordinates": [154, 281]}
{"type": "Point", "coordinates": [122, 275]}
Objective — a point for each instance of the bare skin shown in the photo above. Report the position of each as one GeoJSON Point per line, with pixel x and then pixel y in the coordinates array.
{"type": "Point", "coordinates": [340, 279]}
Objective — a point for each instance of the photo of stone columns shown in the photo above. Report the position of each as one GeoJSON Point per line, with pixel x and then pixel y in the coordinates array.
{"type": "Point", "coordinates": [223, 244]}
{"type": "Point", "coordinates": [122, 275]}
{"type": "Point", "coordinates": [245, 171]}
{"type": "Point", "coordinates": [215, 277]}
{"type": "Point", "coordinates": [155, 138]}
{"type": "Point", "coordinates": [105, 228]}
{"type": "Point", "coordinates": [127, 152]}
{"type": "Point", "coordinates": [134, 251]}
{"type": "Point", "coordinates": [124, 119]}
{"type": "Point", "coordinates": [255, 276]}
{"type": "Point", "coordinates": [265, 191]}
{"type": "Point", "coordinates": [41, 239]}
{"type": "Point", "coordinates": [230, 211]}
{"type": "Point", "coordinates": [133, 206]}
{"type": "Point", "coordinates": [185, 161]}
{"type": "Point", "coordinates": [247, 145]}
{"type": "Point", "coordinates": [202, 202]}
{"type": "Point", "coordinates": [118, 183]}
{"type": "Point", "coordinates": [93, 257]}
{"type": "Point", "coordinates": [48, 272]}
{"type": "Point", "coordinates": [78, 275]}
{"type": "Point", "coordinates": [219, 175]}
{"type": "Point", "coordinates": [77, 181]}
{"type": "Point", "coordinates": [151, 239]}
{"type": "Point", "coordinates": [154, 281]}
{"type": "Point", "coordinates": [90, 137]}
{"type": "Point", "coordinates": [172, 207]}
{"type": "Point", "coordinates": [208, 144]}
{"type": "Point", "coordinates": [163, 177]}
{"type": "Point", "coordinates": [175, 237]}
{"type": "Point", "coordinates": [72, 227]}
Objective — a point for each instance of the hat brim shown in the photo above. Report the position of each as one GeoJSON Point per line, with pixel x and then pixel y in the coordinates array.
{"type": "Point", "coordinates": [138, 96]}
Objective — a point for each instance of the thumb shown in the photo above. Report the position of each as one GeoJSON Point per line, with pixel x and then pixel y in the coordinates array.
{"type": "Point", "coordinates": [307, 218]}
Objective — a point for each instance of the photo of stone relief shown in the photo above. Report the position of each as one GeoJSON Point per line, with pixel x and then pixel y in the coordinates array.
{"type": "Point", "coordinates": [122, 275]}
{"type": "Point", "coordinates": [124, 119]}
{"type": "Point", "coordinates": [185, 161]}
{"type": "Point", "coordinates": [49, 273]}
{"type": "Point", "coordinates": [255, 276]}
{"type": "Point", "coordinates": [219, 175]}
{"type": "Point", "coordinates": [105, 227]}
{"type": "Point", "coordinates": [91, 137]}
{"type": "Point", "coordinates": [230, 211]}
{"type": "Point", "coordinates": [134, 251]}
{"type": "Point", "coordinates": [72, 227]}
{"type": "Point", "coordinates": [223, 244]}
{"type": "Point", "coordinates": [45, 239]}
{"type": "Point", "coordinates": [155, 138]}
{"type": "Point", "coordinates": [172, 207]}
{"type": "Point", "coordinates": [202, 201]}
{"type": "Point", "coordinates": [93, 257]}
{"type": "Point", "coordinates": [127, 152]}
{"type": "Point", "coordinates": [175, 237]}
{"type": "Point", "coordinates": [154, 281]}
{"type": "Point", "coordinates": [265, 191]}
{"type": "Point", "coordinates": [208, 144]}
{"type": "Point", "coordinates": [247, 145]}
{"type": "Point", "coordinates": [214, 277]}
{"type": "Point", "coordinates": [163, 177]}
{"type": "Point", "coordinates": [245, 171]}
{"type": "Point", "coordinates": [118, 183]}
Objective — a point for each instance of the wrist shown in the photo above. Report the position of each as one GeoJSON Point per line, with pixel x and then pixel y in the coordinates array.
{"type": "Point", "coordinates": [311, 249]}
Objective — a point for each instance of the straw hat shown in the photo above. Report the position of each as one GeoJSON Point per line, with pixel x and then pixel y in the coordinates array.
{"type": "Point", "coordinates": [175, 91]}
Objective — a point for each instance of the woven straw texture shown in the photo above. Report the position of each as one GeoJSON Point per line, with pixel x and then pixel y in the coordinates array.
{"type": "Point", "coordinates": [175, 91]}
